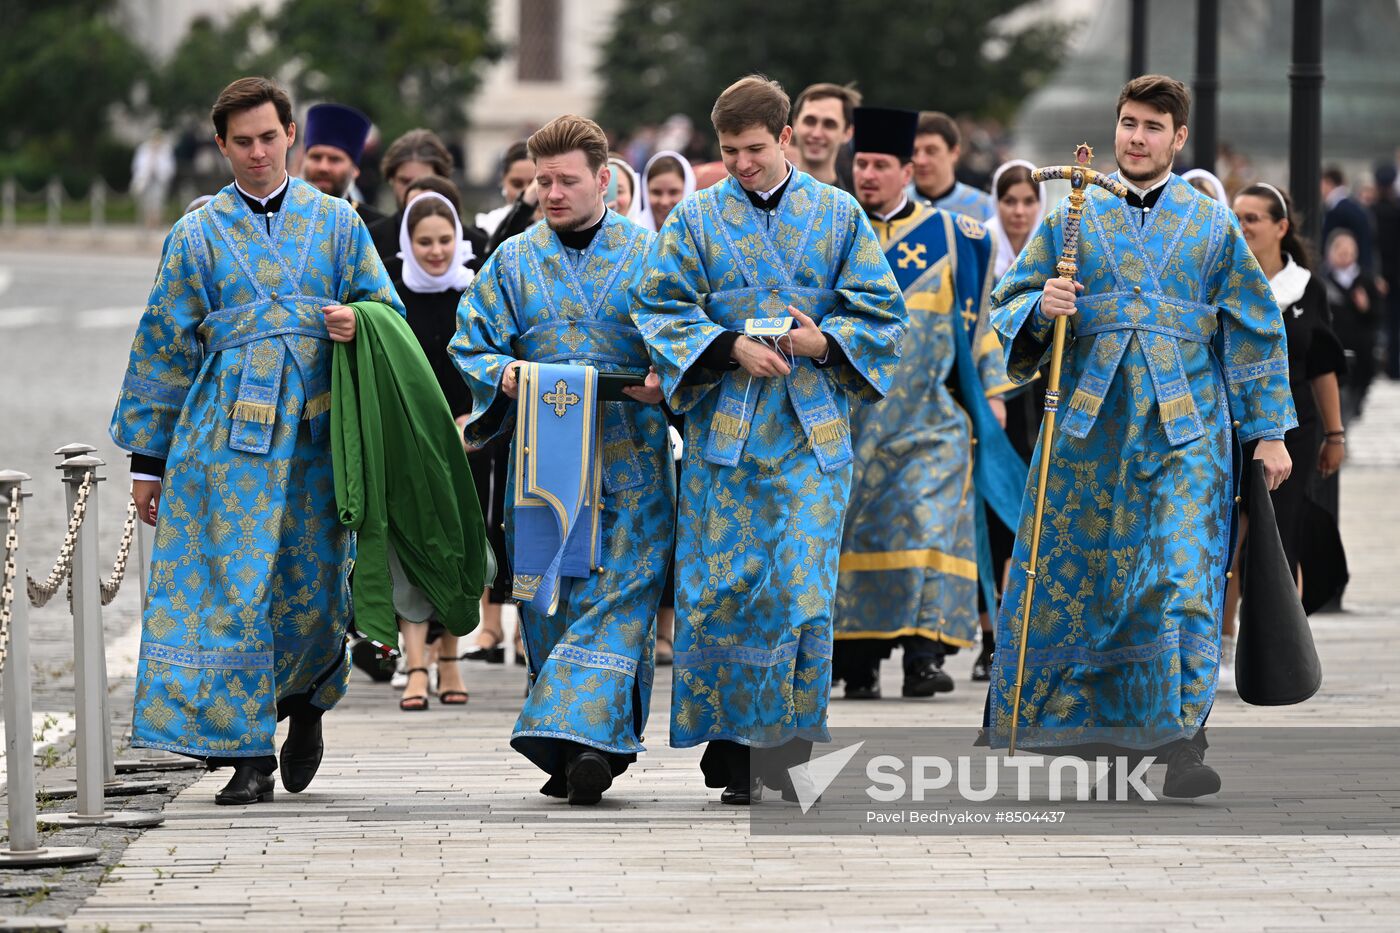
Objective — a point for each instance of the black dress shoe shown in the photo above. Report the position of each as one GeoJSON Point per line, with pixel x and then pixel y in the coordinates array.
{"type": "Point", "coordinates": [248, 785]}
{"type": "Point", "coordinates": [301, 753]}
{"type": "Point", "coordinates": [495, 655]}
{"type": "Point", "coordinates": [588, 775]}
{"type": "Point", "coordinates": [982, 668]}
{"type": "Point", "coordinates": [870, 691]}
{"type": "Point", "coordinates": [368, 657]}
{"type": "Point", "coordinates": [1187, 773]}
{"type": "Point", "coordinates": [743, 795]}
{"type": "Point", "coordinates": [926, 679]}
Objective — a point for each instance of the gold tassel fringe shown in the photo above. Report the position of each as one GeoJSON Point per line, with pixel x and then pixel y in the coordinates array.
{"type": "Point", "coordinates": [316, 406]}
{"type": "Point", "coordinates": [829, 432]}
{"type": "Point", "coordinates": [730, 425]}
{"type": "Point", "coordinates": [1083, 401]}
{"type": "Point", "coordinates": [256, 412]}
{"type": "Point", "coordinates": [1177, 407]}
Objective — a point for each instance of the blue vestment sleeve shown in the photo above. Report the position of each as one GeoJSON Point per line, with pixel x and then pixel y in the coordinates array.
{"type": "Point", "coordinates": [367, 279]}
{"type": "Point", "coordinates": [667, 305]}
{"type": "Point", "coordinates": [1015, 314]}
{"type": "Point", "coordinates": [986, 345]}
{"type": "Point", "coordinates": [1254, 346]}
{"type": "Point", "coordinates": [166, 353]}
{"type": "Point", "coordinates": [870, 322]}
{"type": "Point", "coordinates": [484, 345]}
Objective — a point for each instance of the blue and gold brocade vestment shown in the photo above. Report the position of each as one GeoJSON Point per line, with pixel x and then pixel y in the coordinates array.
{"type": "Point", "coordinates": [909, 553]}
{"type": "Point", "coordinates": [767, 466]}
{"type": "Point", "coordinates": [591, 661]}
{"type": "Point", "coordinates": [229, 382]}
{"type": "Point", "coordinates": [1175, 340]}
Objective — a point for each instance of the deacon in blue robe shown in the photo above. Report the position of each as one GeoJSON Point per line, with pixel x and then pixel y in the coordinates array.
{"type": "Point", "coordinates": [550, 297]}
{"type": "Point", "coordinates": [767, 466]}
{"type": "Point", "coordinates": [229, 384]}
{"type": "Point", "coordinates": [1175, 340]}
{"type": "Point", "coordinates": [910, 549]}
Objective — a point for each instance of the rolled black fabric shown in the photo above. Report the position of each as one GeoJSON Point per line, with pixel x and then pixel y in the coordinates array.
{"type": "Point", "coordinates": [1276, 663]}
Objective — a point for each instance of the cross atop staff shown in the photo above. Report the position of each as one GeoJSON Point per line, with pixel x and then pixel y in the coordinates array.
{"type": "Point", "coordinates": [1080, 176]}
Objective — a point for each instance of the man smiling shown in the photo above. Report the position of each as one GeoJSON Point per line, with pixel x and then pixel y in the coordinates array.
{"type": "Point", "coordinates": [1177, 341]}
{"type": "Point", "coordinates": [821, 128]}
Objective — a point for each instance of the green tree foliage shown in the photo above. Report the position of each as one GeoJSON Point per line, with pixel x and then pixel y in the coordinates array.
{"type": "Point", "coordinates": [66, 66]}
{"type": "Point", "coordinates": [675, 56]}
{"type": "Point", "coordinates": [405, 63]}
{"type": "Point", "coordinates": [208, 57]}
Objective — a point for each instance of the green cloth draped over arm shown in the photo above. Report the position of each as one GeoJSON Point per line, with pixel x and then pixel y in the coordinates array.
{"type": "Point", "coordinates": [401, 476]}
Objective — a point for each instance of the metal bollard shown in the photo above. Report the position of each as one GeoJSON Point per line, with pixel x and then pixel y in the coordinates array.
{"type": "Point", "coordinates": [23, 850]}
{"type": "Point", "coordinates": [94, 745]}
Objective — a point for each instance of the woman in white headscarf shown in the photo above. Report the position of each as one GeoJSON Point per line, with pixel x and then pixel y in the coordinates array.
{"type": "Point", "coordinates": [433, 276]}
{"type": "Point", "coordinates": [1020, 204]}
{"type": "Point", "coordinates": [624, 187]}
{"type": "Point", "coordinates": [667, 180]}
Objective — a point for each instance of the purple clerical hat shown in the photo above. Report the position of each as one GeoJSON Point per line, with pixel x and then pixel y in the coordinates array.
{"type": "Point", "coordinates": [336, 125]}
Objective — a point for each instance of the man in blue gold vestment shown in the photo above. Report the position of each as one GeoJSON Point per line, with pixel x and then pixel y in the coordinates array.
{"type": "Point", "coordinates": [225, 409]}
{"type": "Point", "coordinates": [556, 294]}
{"type": "Point", "coordinates": [768, 253]}
{"type": "Point", "coordinates": [1176, 340]}
{"type": "Point", "coordinates": [931, 451]}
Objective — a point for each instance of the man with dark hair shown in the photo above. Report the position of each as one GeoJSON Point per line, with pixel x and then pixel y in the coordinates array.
{"type": "Point", "coordinates": [414, 154]}
{"type": "Point", "coordinates": [769, 311]}
{"type": "Point", "coordinates": [937, 146]}
{"type": "Point", "coordinates": [548, 311]}
{"type": "Point", "coordinates": [335, 140]}
{"type": "Point", "coordinates": [1341, 210]}
{"type": "Point", "coordinates": [1177, 341]}
{"type": "Point", "coordinates": [225, 407]}
{"type": "Point", "coordinates": [909, 554]}
{"type": "Point", "coordinates": [821, 128]}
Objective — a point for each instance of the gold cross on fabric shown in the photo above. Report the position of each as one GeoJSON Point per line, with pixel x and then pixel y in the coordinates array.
{"type": "Point", "coordinates": [561, 398]}
{"type": "Point", "coordinates": [969, 316]}
{"type": "Point", "coordinates": [915, 256]}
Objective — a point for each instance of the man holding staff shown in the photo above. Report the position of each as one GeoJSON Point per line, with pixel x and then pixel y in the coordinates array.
{"type": "Point", "coordinates": [1175, 343]}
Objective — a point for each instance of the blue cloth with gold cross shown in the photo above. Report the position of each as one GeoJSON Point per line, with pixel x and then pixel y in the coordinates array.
{"type": "Point", "coordinates": [1176, 340]}
{"type": "Point", "coordinates": [767, 464]}
{"type": "Point", "coordinates": [229, 382]}
{"type": "Point", "coordinates": [912, 551]}
{"type": "Point", "coordinates": [591, 660]}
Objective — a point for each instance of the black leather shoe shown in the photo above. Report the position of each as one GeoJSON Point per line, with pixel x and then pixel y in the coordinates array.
{"type": "Point", "coordinates": [301, 753]}
{"type": "Point", "coordinates": [588, 775]}
{"type": "Point", "coordinates": [869, 691]}
{"type": "Point", "coordinates": [927, 679]}
{"type": "Point", "coordinates": [982, 668]}
{"type": "Point", "coordinates": [367, 656]}
{"type": "Point", "coordinates": [248, 785]}
{"type": "Point", "coordinates": [494, 655]}
{"type": "Point", "coordinates": [1187, 773]}
{"type": "Point", "coordinates": [743, 795]}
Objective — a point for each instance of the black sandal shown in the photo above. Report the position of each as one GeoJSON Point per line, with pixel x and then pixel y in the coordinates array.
{"type": "Point", "coordinates": [449, 698]}
{"type": "Point", "coordinates": [414, 704]}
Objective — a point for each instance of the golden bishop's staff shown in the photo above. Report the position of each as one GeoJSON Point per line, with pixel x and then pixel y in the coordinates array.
{"type": "Point", "coordinates": [1080, 177]}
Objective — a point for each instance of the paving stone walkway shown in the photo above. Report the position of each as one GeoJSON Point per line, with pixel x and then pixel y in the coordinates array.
{"type": "Point", "coordinates": [428, 821]}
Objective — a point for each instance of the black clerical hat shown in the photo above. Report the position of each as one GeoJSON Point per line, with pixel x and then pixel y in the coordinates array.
{"type": "Point", "coordinates": [337, 125]}
{"type": "Point", "coordinates": [885, 130]}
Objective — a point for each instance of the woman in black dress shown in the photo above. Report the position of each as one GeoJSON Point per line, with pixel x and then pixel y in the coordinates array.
{"type": "Point", "coordinates": [1315, 359]}
{"type": "Point", "coordinates": [435, 263]}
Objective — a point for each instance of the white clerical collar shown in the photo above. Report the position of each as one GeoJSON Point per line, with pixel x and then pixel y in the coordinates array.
{"type": "Point", "coordinates": [1142, 193]}
{"type": "Point", "coordinates": [885, 218]}
{"type": "Point", "coordinates": [765, 195]}
{"type": "Point", "coordinates": [263, 201]}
